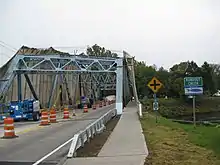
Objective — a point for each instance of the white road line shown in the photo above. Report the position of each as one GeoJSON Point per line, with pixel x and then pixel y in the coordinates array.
{"type": "Point", "coordinates": [51, 153]}
{"type": "Point", "coordinates": [56, 149]}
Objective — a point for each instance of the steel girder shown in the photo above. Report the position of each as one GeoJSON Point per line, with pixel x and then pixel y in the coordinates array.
{"type": "Point", "coordinates": [58, 63]}
{"type": "Point", "coordinates": [103, 70]}
{"type": "Point", "coordinates": [107, 78]}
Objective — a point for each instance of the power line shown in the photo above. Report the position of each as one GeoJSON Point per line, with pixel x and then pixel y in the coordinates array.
{"type": "Point", "coordinates": [5, 54]}
{"type": "Point", "coordinates": [7, 46]}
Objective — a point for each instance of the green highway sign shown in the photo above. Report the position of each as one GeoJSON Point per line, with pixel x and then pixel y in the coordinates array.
{"type": "Point", "coordinates": [193, 82]}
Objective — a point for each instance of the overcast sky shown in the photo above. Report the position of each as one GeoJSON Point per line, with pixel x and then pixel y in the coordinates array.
{"type": "Point", "coordinates": [161, 32]}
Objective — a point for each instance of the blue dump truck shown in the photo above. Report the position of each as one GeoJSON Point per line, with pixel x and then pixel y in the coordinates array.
{"type": "Point", "coordinates": [23, 110]}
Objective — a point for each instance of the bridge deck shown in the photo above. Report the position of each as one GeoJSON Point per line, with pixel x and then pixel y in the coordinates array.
{"type": "Point", "coordinates": [126, 145]}
{"type": "Point", "coordinates": [30, 147]}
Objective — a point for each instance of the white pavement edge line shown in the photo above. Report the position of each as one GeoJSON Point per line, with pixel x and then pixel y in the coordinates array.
{"type": "Point", "coordinates": [52, 152]}
{"type": "Point", "coordinates": [58, 148]}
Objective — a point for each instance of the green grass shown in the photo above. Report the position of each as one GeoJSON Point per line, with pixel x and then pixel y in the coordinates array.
{"type": "Point", "coordinates": [174, 143]}
{"type": "Point", "coordinates": [204, 136]}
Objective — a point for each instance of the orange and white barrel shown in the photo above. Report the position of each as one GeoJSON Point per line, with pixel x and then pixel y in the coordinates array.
{"type": "Point", "coordinates": [85, 108]}
{"type": "Point", "coordinates": [94, 106]}
{"type": "Point", "coordinates": [53, 116]}
{"type": "Point", "coordinates": [100, 104]}
{"type": "Point", "coordinates": [66, 114]}
{"type": "Point", "coordinates": [44, 118]}
{"type": "Point", "coordinates": [9, 128]}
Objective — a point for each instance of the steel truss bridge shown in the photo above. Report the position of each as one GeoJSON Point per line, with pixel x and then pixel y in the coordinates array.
{"type": "Point", "coordinates": [46, 76]}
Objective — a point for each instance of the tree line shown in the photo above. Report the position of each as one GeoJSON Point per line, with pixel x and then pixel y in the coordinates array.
{"type": "Point", "coordinates": [172, 79]}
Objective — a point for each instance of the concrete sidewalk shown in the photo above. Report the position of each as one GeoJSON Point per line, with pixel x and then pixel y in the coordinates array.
{"type": "Point", "coordinates": [126, 145]}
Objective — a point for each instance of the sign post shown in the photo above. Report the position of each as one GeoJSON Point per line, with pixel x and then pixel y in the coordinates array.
{"type": "Point", "coordinates": [194, 111]}
{"type": "Point", "coordinates": [155, 107]}
{"type": "Point", "coordinates": [193, 86]}
{"type": "Point", "coordinates": [155, 85]}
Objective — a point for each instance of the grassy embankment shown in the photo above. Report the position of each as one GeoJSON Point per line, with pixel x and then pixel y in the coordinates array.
{"type": "Point", "coordinates": [171, 143]}
{"type": "Point", "coordinates": [173, 108]}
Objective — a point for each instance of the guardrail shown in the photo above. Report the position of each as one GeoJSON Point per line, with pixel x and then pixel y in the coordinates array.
{"type": "Point", "coordinates": [90, 131]}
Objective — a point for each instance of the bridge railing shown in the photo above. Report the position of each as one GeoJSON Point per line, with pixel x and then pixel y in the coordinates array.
{"type": "Point", "coordinates": [89, 132]}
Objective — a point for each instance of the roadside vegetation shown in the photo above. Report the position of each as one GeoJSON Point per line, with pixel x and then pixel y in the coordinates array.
{"type": "Point", "coordinates": [176, 108]}
{"type": "Point", "coordinates": [171, 143]}
{"type": "Point", "coordinates": [172, 79]}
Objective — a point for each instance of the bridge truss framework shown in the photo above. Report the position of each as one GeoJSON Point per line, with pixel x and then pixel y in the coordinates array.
{"type": "Point", "coordinates": [105, 73]}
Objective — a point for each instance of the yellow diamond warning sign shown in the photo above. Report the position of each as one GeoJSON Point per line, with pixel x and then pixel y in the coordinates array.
{"type": "Point", "coordinates": [154, 84]}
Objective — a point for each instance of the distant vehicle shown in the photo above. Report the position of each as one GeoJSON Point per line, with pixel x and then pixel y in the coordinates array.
{"type": "Point", "coordinates": [110, 98]}
{"type": "Point", "coordinates": [217, 94]}
{"type": "Point", "coordinates": [85, 100]}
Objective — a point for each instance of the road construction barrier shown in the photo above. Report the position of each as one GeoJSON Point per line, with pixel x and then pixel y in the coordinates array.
{"type": "Point", "coordinates": [85, 108]}
{"type": "Point", "coordinates": [74, 112]}
{"type": "Point", "coordinates": [53, 116]}
{"type": "Point", "coordinates": [66, 114]}
{"type": "Point", "coordinates": [94, 106]}
{"type": "Point", "coordinates": [9, 128]}
{"type": "Point", "coordinates": [44, 118]}
{"type": "Point", "coordinates": [100, 104]}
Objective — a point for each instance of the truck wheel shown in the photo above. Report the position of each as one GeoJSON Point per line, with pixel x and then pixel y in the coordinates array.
{"type": "Point", "coordinates": [36, 116]}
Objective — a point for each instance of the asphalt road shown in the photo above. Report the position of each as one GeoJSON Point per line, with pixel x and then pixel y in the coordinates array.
{"type": "Point", "coordinates": [21, 123]}
{"type": "Point", "coordinates": [32, 146]}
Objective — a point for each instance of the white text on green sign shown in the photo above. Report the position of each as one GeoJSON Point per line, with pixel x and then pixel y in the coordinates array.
{"type": "Point", "coordinates": [193, 81]}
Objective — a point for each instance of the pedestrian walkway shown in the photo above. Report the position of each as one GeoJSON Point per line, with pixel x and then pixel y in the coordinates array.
{"type": "Point", "coordinates": [126, 145]}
